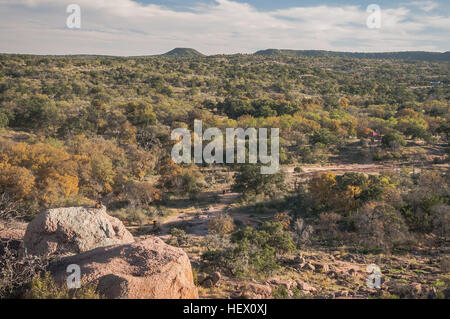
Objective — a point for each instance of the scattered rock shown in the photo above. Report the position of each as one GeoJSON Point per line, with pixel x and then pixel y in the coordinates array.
{"type": "Point", "coordinates": [342, 294]}
{"type": "Point", "coordinates": [149, 269]}
{"type": "Point", "coordinates": [322, 267]}
{"type": "Point", "coordinates": [299, 260]}
{"type": "Point", "coordinates": [74, 230]}
{"type": "Point", "coordinates": [409, 291]}
{"type": "Point", "coordinates": [255, 291]}
{"type": "Point", "coordinates": [215, 277]}
{"type": "Point", "coordinates": [201, 277]}
{"type": "Point", "coordinates": [309, 266]}
{"type": "Point", "coordinates": [210, 281]}
{"type": "Point", "coordinates": [332, 274]}
{"type": "Point", "coordinates": [415, 289]}
{"type": "Point", "coordinates": [279, 282]}
{"type": "Point", "coordinates": [305, 286]}
{"type": "Point", "coordinates": [352, 272]}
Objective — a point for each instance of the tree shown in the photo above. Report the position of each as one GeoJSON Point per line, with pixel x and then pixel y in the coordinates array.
{"type": "Point", "coordinates": [17, 181]}
{"type": "Point", "coordinates": [4, 120]}
{"type": "Point", "coordinates": [37, 111]}
{"type": "Point", "coordinates": [140, 113]}
{"type": "Point", "coordinates": [392, 140]}
{"type": "Point", "coordinates": [221, 224]}
{"type": "Point", "coordinates": [380, 226]}
{"type": "Point", "coordinates": [321, 188]}
{"type": "Point", "coordinates": [249, 181]}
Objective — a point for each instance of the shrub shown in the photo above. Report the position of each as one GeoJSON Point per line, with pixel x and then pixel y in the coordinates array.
{"type": "Point", "coordinates": [179, 237]}
{"type": "Point", "coordinates": [4, 120]}
{"type": "Point", "coordinates": [250, 182]}
{"type": "Point", "coordinates": [9, 208]}
{"type": "Point", "coordinates": [392, 140]}
{"type": "Point", "coordinates": [303, 232]}
{"type": "Point", "coordinates": [44, 287]}
{"type": "Point", "coordinates": [251, 251]}
{"type": "Point", "coordinates": [380, 225]}
{"type": "Point", "coordinates": [221, 224]}
{"type": "Point", "coordinates": [16, 271]}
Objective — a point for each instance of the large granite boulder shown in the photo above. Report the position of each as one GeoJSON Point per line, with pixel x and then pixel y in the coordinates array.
{"type": "Point", "coordinates": [149, 269]}
{"type": "Point", "coordinates": [73, 230]}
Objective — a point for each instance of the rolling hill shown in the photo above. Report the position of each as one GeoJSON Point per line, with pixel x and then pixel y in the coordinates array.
{"type": "Point", "coordinates": [183, 53]}
{"type": "Point", "coordinates": [407, 55]}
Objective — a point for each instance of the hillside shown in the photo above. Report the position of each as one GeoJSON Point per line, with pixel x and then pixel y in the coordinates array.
{"type": "Point", "coordinates": [406, 55]}
{"type": "Point", "coordinates": [183, 53]}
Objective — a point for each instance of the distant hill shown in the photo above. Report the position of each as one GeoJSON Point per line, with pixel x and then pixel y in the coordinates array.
{"type": "Point", "coordinates": [183, 53]}
{"type": "Point", "coordinates": [406, 55]}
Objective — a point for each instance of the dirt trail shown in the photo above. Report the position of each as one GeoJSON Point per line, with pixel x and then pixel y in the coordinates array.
{"type": "Point", "coordinates": [198, 222]}
{"type": "Point", "coordinates": [342, 168]}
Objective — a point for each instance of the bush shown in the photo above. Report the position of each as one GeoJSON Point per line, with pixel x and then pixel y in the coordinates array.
{"type": "Point", "coordinates": [251, 251]}
{"type": "Point", "coordinates": [179, 237]}
{"type": "Point", "coordinates": [250, 182]}
{"type": "Point", "coordinates": [16, 272]}
{"type": "Point", "coordinates": [9, 208]}
{"type": "Point", "coordinates": [392, 140]}
{"type": "Point", "coordinates": [4, 120]}
{"type": "Point", "coordinates": [380, 225]}
{"type": "Point", "coordinates": [44, 287]}
{"type": "Point", "coordinates": [221, 225]}
{"type": "Point", "coordinates": [303, 232]}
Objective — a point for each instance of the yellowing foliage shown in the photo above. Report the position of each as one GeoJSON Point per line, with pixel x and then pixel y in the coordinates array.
{"type": "Point", "coordinates": [321, 187]}
{"type": "Point", "coordinates": [17, 181]}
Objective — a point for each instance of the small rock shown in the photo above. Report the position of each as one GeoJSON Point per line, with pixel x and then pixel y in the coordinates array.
{"type": "Point", "coordinates": [305, 286]}
{"type": "Point", "coordinates": [255, 291]}
{"type": "Point", "coordinates": [322, 267]}
{"type": "Point", "coordinates": [201, 277]}
{"type": "Point", "coordinates": [208, 283]}
{"type": "Point", "coordinates": [215, 277]}
{"type": "Point", "coordinates": [309, 266]}
{"type": "Point", "coordinates": [332, 274]}
{"type": "Point", "coordinates": [343, 293]}
{"type": "Point", "coordinates": [279, 282]}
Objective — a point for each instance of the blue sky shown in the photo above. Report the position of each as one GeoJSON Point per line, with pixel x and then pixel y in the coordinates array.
{"type": "Point", "coordinates": [131, 27]}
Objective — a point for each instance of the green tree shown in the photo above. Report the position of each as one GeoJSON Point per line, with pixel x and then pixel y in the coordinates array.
{"type": "Point", "coordinates": [249, 181]}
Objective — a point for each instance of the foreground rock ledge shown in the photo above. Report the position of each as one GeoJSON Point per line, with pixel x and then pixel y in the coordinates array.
{"type": "Point", "coordinates": [74, 230]}
{"type": "Point", "coordinates": [149, 269]}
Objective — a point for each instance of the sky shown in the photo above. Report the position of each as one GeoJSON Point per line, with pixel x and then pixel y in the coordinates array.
{"type": "Point", "coordinates": [146, 27]}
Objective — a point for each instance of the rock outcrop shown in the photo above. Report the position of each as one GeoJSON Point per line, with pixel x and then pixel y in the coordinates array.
{"type": "Point", "coordinates": [73, 230]}
{"type": "Point", "coordinates": [149, 269]}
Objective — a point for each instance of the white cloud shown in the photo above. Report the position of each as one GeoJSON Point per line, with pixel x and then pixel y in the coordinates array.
{"type": "Point", "coordinates": [124, 27]}
{"type": "Point", "coordinates": [423, 5]}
